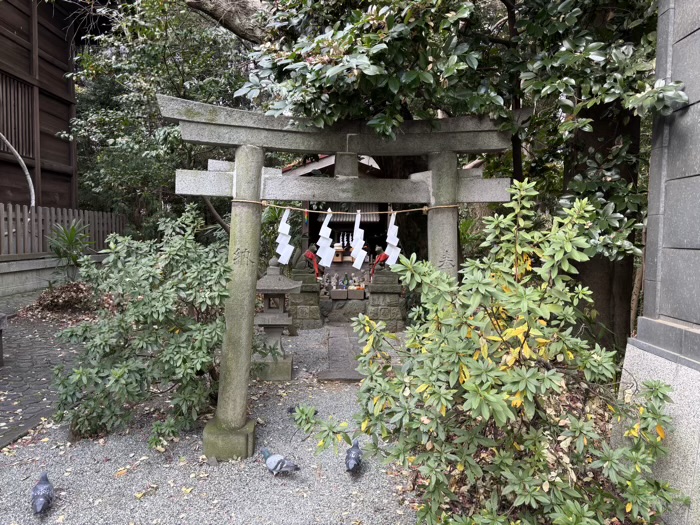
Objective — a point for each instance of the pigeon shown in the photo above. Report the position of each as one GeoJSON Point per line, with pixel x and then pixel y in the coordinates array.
{"type": "Point", "coordinates": [353, 457]}
{"type": "Point", "coordinates": [278, 464]}
{"type": "Point", "coordinates": [42, 495]}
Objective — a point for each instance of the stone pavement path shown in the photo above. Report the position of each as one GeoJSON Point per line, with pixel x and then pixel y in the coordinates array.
{"type": "Point", "coordinates": [343, 349]}
{"type": "Point", "coordinates": [31, 352]}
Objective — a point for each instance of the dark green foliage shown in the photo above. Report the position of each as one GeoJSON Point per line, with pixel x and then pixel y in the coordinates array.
{"type": "Point", "coordinates": [500, 408]}
{"type": "Point", "coordinates": [157, 333]}
{"type": "Point", "coordinates": [69, 244]}
{"type": "Point", "coordinates": [127, 153]}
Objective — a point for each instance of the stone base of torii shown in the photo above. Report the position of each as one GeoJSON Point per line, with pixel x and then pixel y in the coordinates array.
{"type": "Point", "coordinates": [230, 434]}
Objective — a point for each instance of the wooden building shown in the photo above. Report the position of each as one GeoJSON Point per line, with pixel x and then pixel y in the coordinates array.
{"type": "Point", "coordinates": [36, 102]}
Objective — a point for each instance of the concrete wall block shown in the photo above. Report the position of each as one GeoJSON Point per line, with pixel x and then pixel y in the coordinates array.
{"type": "Point", "coordinates": [682, 217]}
{"type": "Point", "coordinates": [691, 344]}
{"type": "Point", "coordinates": [303, 312]}
{"type": "Point", "coordinates": [660, 333]}
{"type": "Point", "coordinates": [664, 43]}
{"type": "Point", "coordinates": [684, 136]}
{"type": "Point", "coordinates": [686, 56]}
{"type": "Point", "coordinates": [686, 19]}
{"type": "Point", "coordinates": [679, 281]}
{"type": "Point", "coordinates": [651, 289]}
{"type": "Point", "coordinates": [656, 181]}
{"type": "Point", "coordinates": [653, 247]}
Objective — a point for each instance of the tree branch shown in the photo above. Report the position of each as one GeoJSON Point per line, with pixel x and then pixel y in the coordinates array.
{"type": "Point", "coordinates": [245, 18]}
{"type": "Point", "coordinates": [221, 222]}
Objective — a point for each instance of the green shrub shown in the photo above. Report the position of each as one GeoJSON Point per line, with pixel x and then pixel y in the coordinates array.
{"type": "Point", "coordinates": [157, 332]}
{"type": "Point", "coordinates": [497, 404]}
{"type": "Point", "coordinates": [69, 244]}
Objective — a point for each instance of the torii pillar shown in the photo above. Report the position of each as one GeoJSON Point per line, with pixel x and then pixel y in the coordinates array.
{"type": "Point", "coordinates": [230, 434]}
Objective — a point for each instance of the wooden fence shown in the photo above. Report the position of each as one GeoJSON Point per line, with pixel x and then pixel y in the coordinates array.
{"type": "Point", "coordinates": [24, 230]}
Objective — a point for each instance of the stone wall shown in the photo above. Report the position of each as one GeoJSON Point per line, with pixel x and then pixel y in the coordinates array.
{"type": "Point", "coordinates": [304, 306]}
{"type": "Point", "coordinates": [27, 276]}
{"type": "Point", "coordinates": [385, 300]}
{"type": "Point", "coordinates": [667, 345]}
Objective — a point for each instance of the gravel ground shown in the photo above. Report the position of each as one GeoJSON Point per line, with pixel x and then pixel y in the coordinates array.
{"type": "Point", "coordinates": [119, 480]}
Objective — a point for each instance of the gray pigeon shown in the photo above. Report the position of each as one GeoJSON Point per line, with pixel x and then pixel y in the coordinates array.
{"type": "Point", "coordinates": [42, 495]}
{"type": "Point", "coordinates": [277, 464]}
{"type": "Point", "coordinates": [353, 457]}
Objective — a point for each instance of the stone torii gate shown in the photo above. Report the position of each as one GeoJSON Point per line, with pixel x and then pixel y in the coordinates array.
{"type": "Point", "coordinates": [247, 182]}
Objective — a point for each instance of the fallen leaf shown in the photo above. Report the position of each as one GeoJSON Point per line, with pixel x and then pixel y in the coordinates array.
{"type": "Point", "coordinates": [187, 490]}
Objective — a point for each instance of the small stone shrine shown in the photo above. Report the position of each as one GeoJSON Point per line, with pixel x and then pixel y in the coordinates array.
{"type": "Point", "coordinates": [273, 320]}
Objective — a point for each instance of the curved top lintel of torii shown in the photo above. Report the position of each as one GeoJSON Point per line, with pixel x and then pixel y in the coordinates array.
{"type": "Point", "coordinates": [215, 125]}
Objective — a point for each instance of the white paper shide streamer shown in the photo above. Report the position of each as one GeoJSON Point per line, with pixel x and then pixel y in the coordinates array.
{"type": "Point", "coordinates": [358, 243]}
{"type": "Point", "coordinates": [392, 241]}
{"type": "Point", "coordinates": [325, 251]}
{"type": "Point", "coordinates": [284, 248]}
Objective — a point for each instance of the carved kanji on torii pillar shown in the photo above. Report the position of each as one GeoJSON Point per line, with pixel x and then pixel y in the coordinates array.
{"type": "Point", "coordinates": [230, 434]}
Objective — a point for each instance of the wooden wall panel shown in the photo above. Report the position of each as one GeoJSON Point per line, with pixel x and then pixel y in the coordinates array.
{"type": "Point", "coordinates": [16, 114]}
{"type": "Point", "coordinates": [36, 100]}
{"type": "Point", "coordinates": [16, 20]}
{"type": "Point", "coordinates": [13, 186]}
{"type": "Point", "coordinates": [54, 117]}
{"type": "Point", "coordinates": [56, 189]}
{"type": "Point", "coordinates": [53, 78]}
{"type": "Point", "coordinates": [14, 57]}
{"type": "Point", "coordinates": [56, 46]}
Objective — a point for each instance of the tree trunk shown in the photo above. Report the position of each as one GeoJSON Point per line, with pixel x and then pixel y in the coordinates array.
{"type": "Point", "coordinates": [245, 18]}
{"type": "Point", "coordinates": [611, 282]}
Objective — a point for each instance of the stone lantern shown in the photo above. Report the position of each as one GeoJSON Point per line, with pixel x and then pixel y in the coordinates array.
{"type": "Point", "coordinates": [274, 319]}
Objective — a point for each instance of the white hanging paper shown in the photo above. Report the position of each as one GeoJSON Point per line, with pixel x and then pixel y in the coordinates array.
{"type": "Point", "coordinates": [325, 251]}
{"type": "Point", "coordinates": [392, 240]}
{"type": "Point", "coordinates": [358, 242]}
{"type": "Point", "coordinates": [284, 248]}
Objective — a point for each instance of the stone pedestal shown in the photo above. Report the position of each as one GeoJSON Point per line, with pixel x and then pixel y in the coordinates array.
{"type": "Point", "coordinates": [304, 307]}
{"type": "Point", "coordinates": [223, 443]}
{"type": "Point", "coordinates": [385, 300]}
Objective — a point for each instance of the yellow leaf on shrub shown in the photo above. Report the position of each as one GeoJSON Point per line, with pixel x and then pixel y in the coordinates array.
{"type": "Point", "coordinates": [443, 410]}
{"type": "Point", "coordinates": [365, 423]}
{"type": "Point", "coordinates": [660, 430]}
{"type": "Point", "coordinates": [420, 389]}
{"type": "Point", "coordinates": [628, 507]}
{"type": "Point", "coordinates": [463, 373]}
{"type": "Point", "coordinates": [460, 467]}
{"type": "Point", "coordinates": [321, 443]}
{"type": "Point", "coordinates": [526, 351]}
{"type": "Point", "coordinates": [517, 400]}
